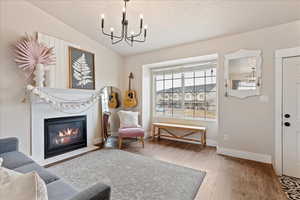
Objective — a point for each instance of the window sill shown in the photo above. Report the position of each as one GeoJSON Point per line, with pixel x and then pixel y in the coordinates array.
{"type": "Point", "coordinates": [186, 119]}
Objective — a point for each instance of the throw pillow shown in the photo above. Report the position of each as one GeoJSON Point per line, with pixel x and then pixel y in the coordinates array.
{"type": "Point", "coordinates": [7, 175]}
{"type": "Point", "coordinates": [24, 187]}
{"type": "Point", "coordinates": [128, 119]}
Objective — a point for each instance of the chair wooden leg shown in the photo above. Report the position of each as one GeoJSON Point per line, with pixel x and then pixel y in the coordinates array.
{"type": "Point", "coordinates": [120, 142]}
{"type": "Point", "coordinates": [142, 139]}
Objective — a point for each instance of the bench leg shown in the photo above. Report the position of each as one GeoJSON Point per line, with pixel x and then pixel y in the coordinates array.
{"type": "Point", "coordinates": [120, 142]}
{"type": "Point", "coordinates": [152, 132]}
{"type": "Point", "coordinates": [203, 139]}
{"type": "Point", "coordinates": [158, 133]}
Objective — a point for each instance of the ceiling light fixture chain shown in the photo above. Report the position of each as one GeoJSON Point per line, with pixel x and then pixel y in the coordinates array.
{"type": "Point", "coordinates": [128, 38]}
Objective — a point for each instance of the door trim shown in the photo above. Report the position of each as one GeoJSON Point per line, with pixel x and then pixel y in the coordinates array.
{"type": "Point", "coordinates": [279, 56]}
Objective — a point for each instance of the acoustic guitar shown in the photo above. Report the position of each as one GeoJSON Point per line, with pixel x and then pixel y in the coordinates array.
{"type": "Point", "coordinates": [130, 99]}
{"type": "Point", "coordinates": [113, 99]}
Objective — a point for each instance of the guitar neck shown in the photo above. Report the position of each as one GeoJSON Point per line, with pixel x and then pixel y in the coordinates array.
{"type": "Point", "coordinates": [130, 77]}
{"type": "Point", "coordinates": [129, 86]}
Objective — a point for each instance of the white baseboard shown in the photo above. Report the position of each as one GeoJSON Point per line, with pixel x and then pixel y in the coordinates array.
{"type": "Point", "coordinates": [245, 155]}
{"type": "Point", "coordinates": [97, 141]}
{"type": "Point", "coordinates": [211, 143]}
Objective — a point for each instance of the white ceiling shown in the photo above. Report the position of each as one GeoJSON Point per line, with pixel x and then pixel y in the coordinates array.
{"type": "Point", "coordinates": [172, 22]}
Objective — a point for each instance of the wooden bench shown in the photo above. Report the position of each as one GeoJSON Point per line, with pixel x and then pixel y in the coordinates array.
{"type": "Point", "coordinates": [157, 127]}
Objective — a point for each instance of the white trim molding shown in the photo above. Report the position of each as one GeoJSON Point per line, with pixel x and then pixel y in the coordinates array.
{"type": "Point", "coordinates": [245, 155]}
{"type": "Point", "coordinates": [242, 54]}
{"type": "Point", "coordinates": [211, 143]}
{"type": "Point", "coordinates": [279, 56]}
{"type": "Point", "coordinates": [147, 80]}
{"type": "Point", "coordinates": [97, 141]}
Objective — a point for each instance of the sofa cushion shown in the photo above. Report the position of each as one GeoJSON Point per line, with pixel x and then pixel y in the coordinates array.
{"type": "Point", "coordinates": [59, 190]}
{"type": "Point", "coordinates": [14, 159]}
{"type": "Point", "coordinates": [42, 172]}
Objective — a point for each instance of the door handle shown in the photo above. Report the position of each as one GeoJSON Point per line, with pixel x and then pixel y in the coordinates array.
{"type": "Point", "coordinates": [287, 115]}
{"type": "Point", "coordinates": [287, 124]}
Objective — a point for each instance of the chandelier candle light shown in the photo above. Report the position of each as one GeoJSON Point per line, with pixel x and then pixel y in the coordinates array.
{"type": "Point", "coordinates": [128, 38]}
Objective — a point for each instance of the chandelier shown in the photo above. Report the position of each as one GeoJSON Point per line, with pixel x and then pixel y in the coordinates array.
{"type": "Point", "coordinates": [128, 38]}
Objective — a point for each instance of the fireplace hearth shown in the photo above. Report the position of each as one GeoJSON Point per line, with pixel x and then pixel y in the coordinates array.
{"type": "Point", "coordinates": [64, 134]}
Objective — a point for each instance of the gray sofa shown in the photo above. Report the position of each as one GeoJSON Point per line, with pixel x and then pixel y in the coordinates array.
{"type": "Point", "coordinates": [57, 189]}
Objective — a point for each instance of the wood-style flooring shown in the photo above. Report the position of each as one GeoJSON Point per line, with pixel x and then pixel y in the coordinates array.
{"type": "Point", "coordinates": [227, 178]}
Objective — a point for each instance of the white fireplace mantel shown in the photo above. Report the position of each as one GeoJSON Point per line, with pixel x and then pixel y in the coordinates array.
{"type": "Point", "coordinates": [69, 94]}
{"type": "Point", "coordinates": [41, 110]}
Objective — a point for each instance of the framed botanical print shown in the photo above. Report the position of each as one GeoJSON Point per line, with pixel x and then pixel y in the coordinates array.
{"type": "Point", "coordinates": [81, 69]}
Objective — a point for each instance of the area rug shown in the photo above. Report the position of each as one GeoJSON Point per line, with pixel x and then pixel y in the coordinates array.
{"type": "Point", "coordinates": [291, 187]}
{"type": "Point", "coordinates": [131, 176]}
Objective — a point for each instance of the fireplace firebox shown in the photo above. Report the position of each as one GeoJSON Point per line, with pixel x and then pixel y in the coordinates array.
{"type": "Point", "coordinates": [64, 134]}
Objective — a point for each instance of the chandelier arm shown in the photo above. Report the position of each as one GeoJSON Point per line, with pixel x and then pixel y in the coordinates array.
{"type": "Point", "coordinates": [117, 37]}
{"type": "Point", "coordinates": [144, 40]}
{"type": "Point", "coordinates": [134, 39]}
{"type": "Point", "coordinates": [115, 42]}
{"type": "Point", "coordinates": [134, 36]}
{"type": "Point", "coordinates": [138, 34]}
{"type": "Point", "coordinates": [128, 42]}
{"type": "Point", "coordinates": [114, 36]}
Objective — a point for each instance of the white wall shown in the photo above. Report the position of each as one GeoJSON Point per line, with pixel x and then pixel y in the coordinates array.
{"type": "Point", "coordinates": [249, 122]}
{"type": "Point", "coordinates": [17, 18]}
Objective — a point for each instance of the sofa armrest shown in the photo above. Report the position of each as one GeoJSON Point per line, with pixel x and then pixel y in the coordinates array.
{"type": "Point", "coordinates": [9, 144]}
{"type": "Point", "coordinates": [98, 191]}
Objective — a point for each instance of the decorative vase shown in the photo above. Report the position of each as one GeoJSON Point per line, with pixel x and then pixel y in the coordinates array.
{"type": "Point", "coordinates": [39, 75]}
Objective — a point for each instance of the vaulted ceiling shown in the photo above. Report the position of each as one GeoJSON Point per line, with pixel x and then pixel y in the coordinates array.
{"type": "Point", "coordinates": [171, 22]}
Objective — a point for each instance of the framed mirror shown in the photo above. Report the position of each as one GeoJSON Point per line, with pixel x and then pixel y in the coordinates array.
{"type": "Point", "coordinates": [110, 105]}
{"type": "Point", "coordinates": [243, 73]}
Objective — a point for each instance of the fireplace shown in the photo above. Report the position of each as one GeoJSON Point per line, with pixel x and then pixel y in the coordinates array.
{"type": "Point", "coordinates": [64, 134]}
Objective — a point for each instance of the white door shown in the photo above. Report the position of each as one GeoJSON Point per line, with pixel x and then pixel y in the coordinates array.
{"type": "Point", "coordinates": [291, 116]}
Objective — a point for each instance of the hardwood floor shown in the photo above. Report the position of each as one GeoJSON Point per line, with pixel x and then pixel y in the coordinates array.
{"type": "Point", "coordinates": [227, 178]}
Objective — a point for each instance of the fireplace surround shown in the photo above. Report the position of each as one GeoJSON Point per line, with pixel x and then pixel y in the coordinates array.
{"type": "Point", "coordinates": [64, 134]}
{"type": "Point", "coordinates": [40, 111]}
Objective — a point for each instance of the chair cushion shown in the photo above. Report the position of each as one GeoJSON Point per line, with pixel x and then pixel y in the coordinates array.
{"type": "Point", "coordinates": [14, 159]}
{"type": "Point", "coordinates": [59, 190]}
{"type": "Point", "coordinates": [42, 172]}
{"type": "Point", "coordinates": [131, 132]}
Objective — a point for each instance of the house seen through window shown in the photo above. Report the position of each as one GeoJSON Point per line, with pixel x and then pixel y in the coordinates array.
{"type": "Point", "coordinates": [186, 92]}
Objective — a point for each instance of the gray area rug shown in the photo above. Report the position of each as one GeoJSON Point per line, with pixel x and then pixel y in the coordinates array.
{"type": "Point", "coordinates": [131, 176]}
